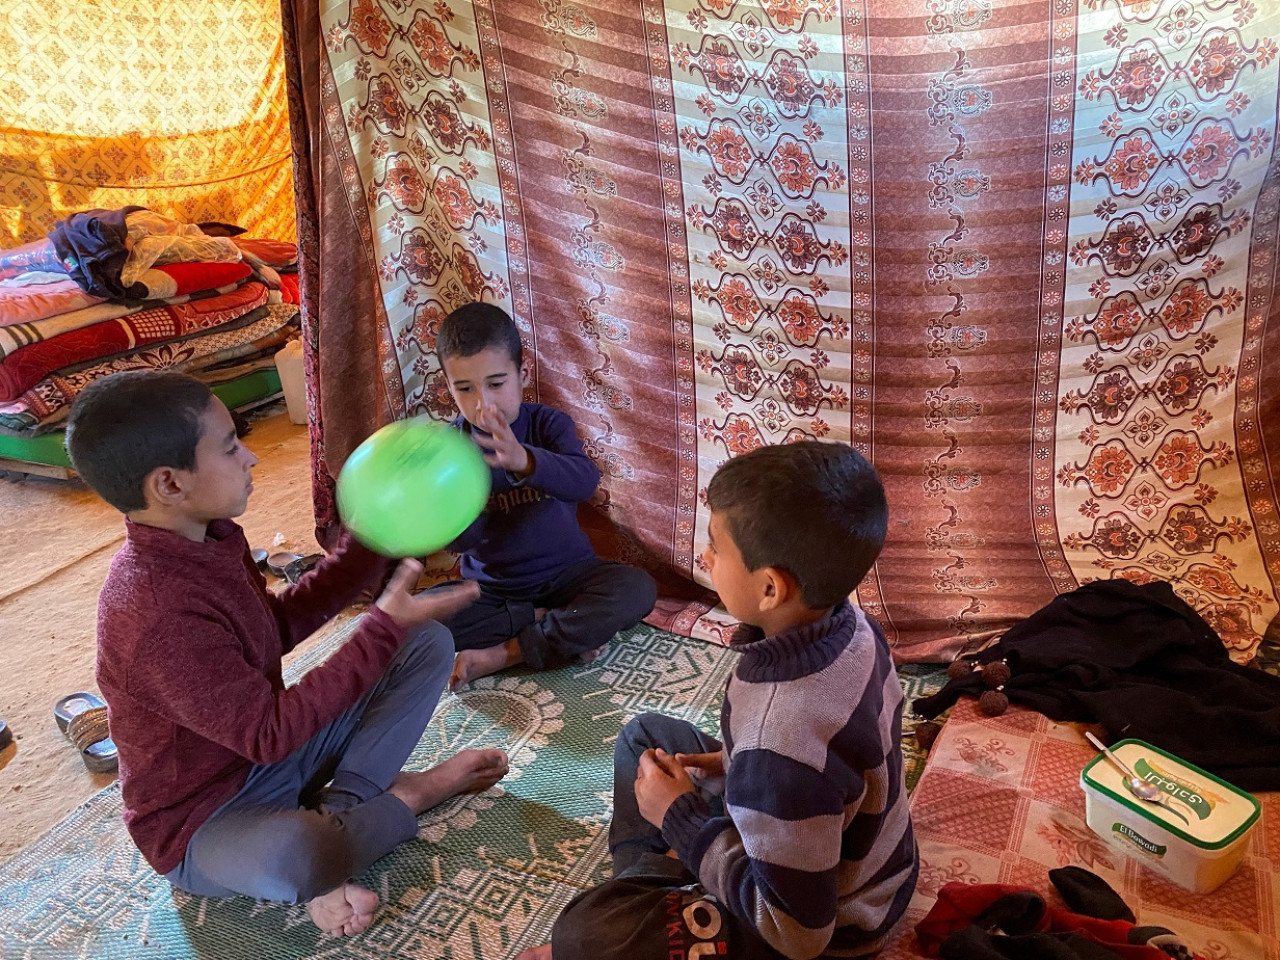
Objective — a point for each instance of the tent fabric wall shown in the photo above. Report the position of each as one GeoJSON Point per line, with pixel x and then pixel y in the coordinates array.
{"type": "Point", "coordinates": [177, 107]}
{"type": "Point", "coordinates": [1021, 254]}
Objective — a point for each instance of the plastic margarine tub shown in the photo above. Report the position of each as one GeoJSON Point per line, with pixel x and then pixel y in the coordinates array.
{"type": "Point", "coordinates": [1196, 835]}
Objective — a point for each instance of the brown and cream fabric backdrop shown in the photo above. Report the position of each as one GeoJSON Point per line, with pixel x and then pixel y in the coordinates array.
{"type": "Point", "coordinates": [1021, 254]}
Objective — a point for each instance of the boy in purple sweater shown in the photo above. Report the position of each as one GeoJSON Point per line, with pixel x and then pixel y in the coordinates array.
{"type": "Point", "coordinates": [545, 596]}
{"type": "Point", "coordinates": [233, 784]}
{"type": "Point", "coordinates": [792, 837]}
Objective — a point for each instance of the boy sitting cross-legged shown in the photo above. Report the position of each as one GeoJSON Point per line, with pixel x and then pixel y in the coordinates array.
{"type": "Point", "coordinates": [545, 597]}
{"type": "Point", "coordinates": [792, 838]}
{"type": "Point", "coordinates": [233, 784]}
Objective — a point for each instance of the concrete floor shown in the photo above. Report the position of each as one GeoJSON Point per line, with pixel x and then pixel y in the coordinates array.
{"type": "Point", "coordinates": [56, 541]}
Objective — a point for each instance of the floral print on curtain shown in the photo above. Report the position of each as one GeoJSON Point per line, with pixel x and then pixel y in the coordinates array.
{"type": "Point", "coordinates": [1021, 255]}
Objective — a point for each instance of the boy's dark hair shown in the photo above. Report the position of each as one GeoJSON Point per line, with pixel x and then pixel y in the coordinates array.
{"type": "Point", "coordinates": [475, 327]}
{"type": "Point", "coordinates": [126, 425]}
{"type": "Point", "coordinates": [814, 509]}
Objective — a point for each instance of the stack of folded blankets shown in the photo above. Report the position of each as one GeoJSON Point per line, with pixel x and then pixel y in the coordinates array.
{"type": "Point", "coordinates": [128, 289]}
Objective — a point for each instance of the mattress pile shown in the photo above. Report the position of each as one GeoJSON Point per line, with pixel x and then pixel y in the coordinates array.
{"type": "Point", "coordinates": [129, 289]}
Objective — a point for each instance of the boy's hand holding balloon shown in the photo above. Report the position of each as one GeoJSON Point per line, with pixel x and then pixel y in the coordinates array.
{"type": "Point", "coordinates": [410, 609]}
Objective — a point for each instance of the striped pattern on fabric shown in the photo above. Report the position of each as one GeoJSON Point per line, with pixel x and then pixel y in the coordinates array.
{"type": "Point", "coordinates": [815, 848]}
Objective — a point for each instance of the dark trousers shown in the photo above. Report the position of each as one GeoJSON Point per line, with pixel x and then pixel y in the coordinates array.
{"type": "Point", "coordinates": [586, 605]}
{"type": "Point", "coordinates": [286, 835]}
{"type": "Point", "coordinates": [653, 908]}
{"type": "Point", "coordinates": [631, 835]}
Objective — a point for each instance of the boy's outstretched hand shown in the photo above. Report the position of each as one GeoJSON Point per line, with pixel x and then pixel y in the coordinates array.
{"type": "Point", "coordinates": [409, 610]}
{"type": "Point", "coordinates": [659, 781]}
{"type": "Point", "coordinates": [501, 448]}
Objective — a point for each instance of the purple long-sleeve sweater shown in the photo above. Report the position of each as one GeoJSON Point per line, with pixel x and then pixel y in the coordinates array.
{"type": "Point", "coordinates": [528, 531]}
{"type": "Point", "coordinates": [189, 648]}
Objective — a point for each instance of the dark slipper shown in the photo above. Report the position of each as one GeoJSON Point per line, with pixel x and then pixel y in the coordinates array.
{"type": "Point", "coordinates": [83, 717]}
{"type": "Point", "coordinates": [294, 569]}
{"type": "Point", "coordinates": [259, 558]}
{"type": "Point", "coordinates": [291, 566]}
{"type": "Point", "coordinates": [6, 735]}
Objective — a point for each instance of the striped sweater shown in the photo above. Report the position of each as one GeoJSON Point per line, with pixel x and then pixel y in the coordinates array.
{"type": "Point", "coordinates": [815, 848]}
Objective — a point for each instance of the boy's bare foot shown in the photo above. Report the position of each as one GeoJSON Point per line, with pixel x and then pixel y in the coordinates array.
{"type": "Point", "coordinates": [591, 656]}
{"type": "Point", "coordinates": [470, 771]}
{"type": "Point", "coordinates": [536, 953]}
{"type": "Point", "coordinates": [472, 664]}
{"type": "Point", "coordinates": [344, 911]}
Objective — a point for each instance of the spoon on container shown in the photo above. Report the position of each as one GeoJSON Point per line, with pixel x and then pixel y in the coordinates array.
{"type": "Point", "coordinates": [1137, 786]}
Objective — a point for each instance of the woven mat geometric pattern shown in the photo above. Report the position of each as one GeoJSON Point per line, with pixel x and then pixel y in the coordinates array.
{"type": "Point", "coordinates": [1000, 802]}
{"type": "Point", "coordinates": [485, 877]}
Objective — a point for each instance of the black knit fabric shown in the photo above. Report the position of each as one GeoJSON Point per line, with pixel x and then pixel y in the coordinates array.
{"type": "Point", "coordinates": [1137, 659]}
{"type": "Point", "coordinates": [1087, 893]}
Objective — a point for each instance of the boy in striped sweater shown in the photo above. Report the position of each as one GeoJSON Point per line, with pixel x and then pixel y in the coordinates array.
{"type": "Point", "coordinates": [792, 838]}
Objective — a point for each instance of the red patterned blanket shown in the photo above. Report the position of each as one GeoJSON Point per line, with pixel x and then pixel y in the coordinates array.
{"type": "Point", "coordinates": [24, 368]}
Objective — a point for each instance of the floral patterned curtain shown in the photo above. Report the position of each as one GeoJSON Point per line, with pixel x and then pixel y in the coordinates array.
{"type": "Point", "coordinates": [179, 107]}
{"type": "Point", "coordinates": [1022, 255]}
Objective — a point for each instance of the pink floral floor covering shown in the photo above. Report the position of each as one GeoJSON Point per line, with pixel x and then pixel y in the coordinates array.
{"type": "Point", "coordinates": [1000, 802]}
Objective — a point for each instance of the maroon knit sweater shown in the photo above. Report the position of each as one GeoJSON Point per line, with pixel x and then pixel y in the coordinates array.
{"type": "Point", "coordinates": [189, 647]}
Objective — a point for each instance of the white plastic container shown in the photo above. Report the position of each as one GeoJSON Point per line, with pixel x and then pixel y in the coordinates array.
{"type": "Point", "coordinates": [1197, 834]}
{"type": "Point", "coordinates": [292, 380]}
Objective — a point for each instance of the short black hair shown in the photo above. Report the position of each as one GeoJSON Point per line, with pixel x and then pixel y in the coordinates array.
{"type": "Point", "coordinates": [127, 424]}
{"type": "Point", "coordinates": [814, 509]}
{"type": "Point", "coordinates": [475, 327]}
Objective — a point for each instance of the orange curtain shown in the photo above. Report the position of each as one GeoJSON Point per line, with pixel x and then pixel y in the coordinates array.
{"type": "Point", "coordinates": [180, 108]}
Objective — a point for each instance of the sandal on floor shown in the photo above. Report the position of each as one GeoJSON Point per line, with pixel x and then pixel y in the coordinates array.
{"type": "Point", "coordinates": [6, 735]}
{"type": "Point", "coordinates": [291, 566]}
{"type": "Point", "coordinates": [83, 717]}
{"type": "Point", "coordinates": [294, 569]}
{"type": "Point", "coordinates": [277, 562]}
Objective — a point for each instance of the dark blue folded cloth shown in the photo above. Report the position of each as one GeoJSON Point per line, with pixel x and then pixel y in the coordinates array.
{"type": "Point", "coordinates": [91, 247]}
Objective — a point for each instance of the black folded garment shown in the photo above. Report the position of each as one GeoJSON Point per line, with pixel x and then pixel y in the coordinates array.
{"type": "Point", "coordinates": [1137, 659]}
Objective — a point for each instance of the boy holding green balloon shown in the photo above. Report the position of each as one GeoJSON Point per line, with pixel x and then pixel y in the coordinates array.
{"type": "Point", "coordinates": [545, 597]}
{"type": "Point", "coordinates": [233, 784]}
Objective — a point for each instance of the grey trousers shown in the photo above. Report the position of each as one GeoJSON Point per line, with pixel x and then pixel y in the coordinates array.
{"type": "Point", "coordinates": [286, 835]}
{"type": "Point", "coordinates": [630, 834]}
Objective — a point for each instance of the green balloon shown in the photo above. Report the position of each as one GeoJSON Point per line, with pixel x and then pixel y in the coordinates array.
{"type": "Point", "coordinates": [412, 487]}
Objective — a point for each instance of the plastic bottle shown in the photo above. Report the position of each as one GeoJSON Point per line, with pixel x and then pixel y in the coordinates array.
{"type": "Point", "coordinates": [292, 381]}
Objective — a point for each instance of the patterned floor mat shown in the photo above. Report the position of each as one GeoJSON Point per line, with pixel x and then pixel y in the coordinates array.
{"type": "Point", "coordinates": [486, 876]}
{"type": "Point", "coordinates": [918, 680]}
